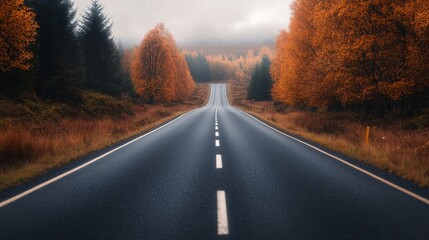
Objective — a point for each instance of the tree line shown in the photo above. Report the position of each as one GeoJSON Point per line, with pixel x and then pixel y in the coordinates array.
{"type": "Point", "coordinates": [228, 66]}
{"type": "Point", "coordinates": [252, 68]}
{"type": "Point", "coordinates": [359, 55]}
{"type": "Point", "coordinates": [45, 51]}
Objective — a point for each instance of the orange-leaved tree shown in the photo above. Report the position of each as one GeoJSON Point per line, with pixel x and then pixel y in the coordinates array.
{"type": "Point", "coordinates": [17, 33]}
{"type": "Point", "coordinates": [371, 47]}
{"type": "Point", "coordinates": [280, 68]}
{"type": "Point", "coordinates": [355, 54]}
{"type": "Point", "coordinates": [159, 70]}
{"type": "Point", "coordinates": [293, 66]}
{"type": "Point", "coordinates": [185, 83]}
{"type": "Point", "coordinates": [418, 54]}
{"type": "Point", "coordinates": [377, 58]}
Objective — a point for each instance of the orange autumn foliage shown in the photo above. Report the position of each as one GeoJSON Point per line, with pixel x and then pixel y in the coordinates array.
{"type": "Point", "coordinates": [280, 68]}
{"type": "Point", "coordinates": [185, 84]}
{"type": "Point", "coordinates": [127, 59]}
{"type": "Point", "coordinates": [362, 54]}
{"type": "Point", "coordinates": [158, 69]}
{"type": "Point", "coordinates": [17, 33]}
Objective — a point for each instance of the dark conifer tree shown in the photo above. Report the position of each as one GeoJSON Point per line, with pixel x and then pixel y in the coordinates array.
{"type": "Point", "coordinates": [254, 84]}
{"type": "Point", "coordinates": [102, 61]}
{"type": "Point", "coordinates": [127, 86]}
{"type": "Point", "coordinates": [199, 68]}
{"type": "Point", "coordinates": [261, 83]}
{"type": "Point", "coordinates": [58, 60]}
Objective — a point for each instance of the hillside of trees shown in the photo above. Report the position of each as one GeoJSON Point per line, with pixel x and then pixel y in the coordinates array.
{"type": "Point", "coordinates": [53, 57]}
{"type": "Point", "coordinates": [364, 56]}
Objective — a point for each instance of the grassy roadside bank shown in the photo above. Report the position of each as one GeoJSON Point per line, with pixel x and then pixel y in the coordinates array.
{"type": "Point", "coordinates": [35, 138]}
{"type": "Point", "coordinates": [400, 146]}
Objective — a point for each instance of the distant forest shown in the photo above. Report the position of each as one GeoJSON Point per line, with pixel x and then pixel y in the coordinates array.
{"type": "Point", "coordinates": [232, 65]}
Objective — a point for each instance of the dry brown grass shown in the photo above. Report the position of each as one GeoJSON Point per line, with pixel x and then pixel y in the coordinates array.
{"type": "Point", "coordinates": [392, 147]}
{"type": "Point", "coordinates": [29, 149]}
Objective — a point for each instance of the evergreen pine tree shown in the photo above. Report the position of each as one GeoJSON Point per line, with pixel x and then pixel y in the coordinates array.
{"type": "Point", "coordinates": [102, 61]}
{"type": "Point", "coordinates": [58, 60]}
{"type": "Point", "coordinates": [261, 83]}
{"type": "Point", "coordinates": [199, 68]}
{"type": "Point", "coordinates": [127, 86]}
{"type": "Point", "coordinates": [252, 90]}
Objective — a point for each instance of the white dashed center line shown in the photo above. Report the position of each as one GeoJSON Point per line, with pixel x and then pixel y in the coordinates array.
{"type": "Point", "coordinates": [219, 161]}
{"type": "Point", "coordinates": [222, 215]}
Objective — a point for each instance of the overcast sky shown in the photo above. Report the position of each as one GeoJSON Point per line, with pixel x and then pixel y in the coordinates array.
{"type": "Point", "coordinates": [197, 21]}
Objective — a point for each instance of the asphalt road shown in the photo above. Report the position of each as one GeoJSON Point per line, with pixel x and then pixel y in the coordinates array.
{"type": "Point", "coordinates": [215, 173]}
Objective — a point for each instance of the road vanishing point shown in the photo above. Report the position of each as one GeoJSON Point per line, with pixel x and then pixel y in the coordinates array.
{"type": "Point", "coordinates": [215, 173]}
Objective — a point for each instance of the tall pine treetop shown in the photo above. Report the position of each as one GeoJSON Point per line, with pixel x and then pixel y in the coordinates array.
{"type": "Point", "coordinates": [58, 57]}
{"type": "Point", "coordinates": [261, 83]}
{"type": "Point", "coordinates": [95, 22]}
{"type": "Point", "coordinates": [102, 62]}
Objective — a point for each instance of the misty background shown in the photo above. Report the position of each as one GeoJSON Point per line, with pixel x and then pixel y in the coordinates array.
{"type": "Point", "coordinates": [197, 21]}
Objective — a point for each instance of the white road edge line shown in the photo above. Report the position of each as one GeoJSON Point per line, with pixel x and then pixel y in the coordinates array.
{"type": "Point", "coordinates": [219, 161]}
{"type": "Point", "coordinates": [217, 143]}
{"type": "Point", "coordinates": [418, 197]}
{"type": "Point", "coordinates": [44, 184]}
{"type": "Point", "coordinates": [222, 215]}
